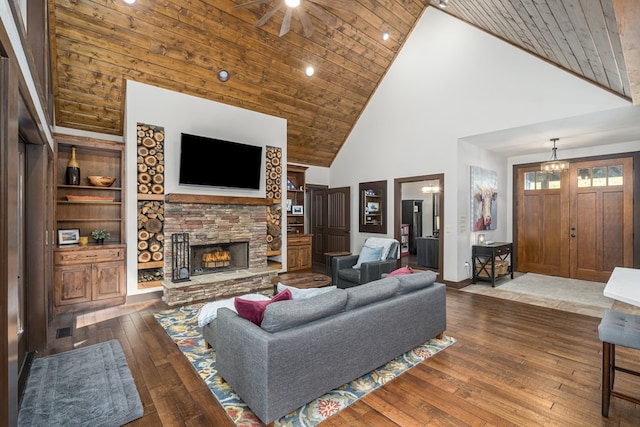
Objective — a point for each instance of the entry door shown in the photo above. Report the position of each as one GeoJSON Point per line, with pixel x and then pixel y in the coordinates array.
{"type": "Point", "coordinates": [543, 222]}
{"type": "Point", "coordinates": [601, 221]}
{"type": "Point", "coordinates": [578, 223]}
{"type": "Point", "coordinates": [331, 221]}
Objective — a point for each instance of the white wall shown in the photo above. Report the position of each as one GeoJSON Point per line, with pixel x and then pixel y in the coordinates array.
{"type": "Point", "coordinates": [450, 81]}
{"type": "Point", "coordinates": [178, 113]}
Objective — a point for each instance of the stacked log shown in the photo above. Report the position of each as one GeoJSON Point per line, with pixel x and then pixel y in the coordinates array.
{"type": "Point", "coordinates": [150, 163]}
{"type": "Point", "coordinates": [149, 275]}
{"type": "Point", "coordinates": [274, 172]}
{"type": "Point", "coordinates": [150, 235]}
{"type": "Point", "coordinates": [273, 191]}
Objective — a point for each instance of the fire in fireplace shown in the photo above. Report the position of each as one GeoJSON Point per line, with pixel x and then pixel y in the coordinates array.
{"type": "Point", "coordinates": [216, 259]}
{"type": "Point", "coordinates": [212, 258]}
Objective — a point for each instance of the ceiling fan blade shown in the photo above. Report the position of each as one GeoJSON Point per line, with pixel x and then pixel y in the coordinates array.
{"type": "Point", "coordinates": [336, 4]}
{"type": "Point", "coordinates": [286, 22]}
{"type": "Point", "coordinates": [268, 15]}
{"type": "Point", "coordinates": [321, 14]}
{"type": "Point", "coordinates": [251, 3]}
{"type": "Point", "coordinates": [307, 26]}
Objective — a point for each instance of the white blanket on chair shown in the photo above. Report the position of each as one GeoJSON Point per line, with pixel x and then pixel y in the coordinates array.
{"type": "Point", "coordinates": [376, 242]}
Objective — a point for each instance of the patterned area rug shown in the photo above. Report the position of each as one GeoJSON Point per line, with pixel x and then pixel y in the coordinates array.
{"type": "Point", "coordinates": [182, 326]}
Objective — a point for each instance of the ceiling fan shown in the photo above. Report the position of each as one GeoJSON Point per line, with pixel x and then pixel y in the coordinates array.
{"type": "Point", "coordinates": [301, 8]}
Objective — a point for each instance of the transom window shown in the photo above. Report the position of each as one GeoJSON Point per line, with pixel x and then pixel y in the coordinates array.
{"type": "Point", "coordinates": [541, 180]}
{"type": "Point", "coordinates": [599, 176]}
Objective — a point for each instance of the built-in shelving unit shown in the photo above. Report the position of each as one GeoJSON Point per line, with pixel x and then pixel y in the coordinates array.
{"type": "Point", "coordinates": [93, 275]}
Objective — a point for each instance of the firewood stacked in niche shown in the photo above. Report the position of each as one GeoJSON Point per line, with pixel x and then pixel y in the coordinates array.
{"type": "Point", "coordinates": [149, 275]}
{"type": "Point", "coordinates": [150, 163]}
{"type": "Point", "coordinates": [274, 172]}
{"type": "Point", "coordinates": [150, 235]}
{"type": "Point", "coordinates": [273, 191]}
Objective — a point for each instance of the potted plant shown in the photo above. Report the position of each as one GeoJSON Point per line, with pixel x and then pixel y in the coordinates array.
{"type": "Point", "coordinates": [100, 235]}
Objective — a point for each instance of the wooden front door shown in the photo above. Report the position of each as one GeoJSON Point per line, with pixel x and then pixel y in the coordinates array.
{"type": "Point", "coordinates": [601, 218]}
{"type": "Point", "coordinates": [542, 211]}
{"type": "Point", "coordinates": [578, 223]}
{"type": "Point", "coordinates": [331, 221]}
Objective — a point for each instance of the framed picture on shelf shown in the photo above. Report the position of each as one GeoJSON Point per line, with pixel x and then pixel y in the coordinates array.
{"type": "Point", "coordinates": [288, 205]}
{"type": "Point", "coordinates": [69, 237]}
{"type": "Point", "coordinates": [297, 210]}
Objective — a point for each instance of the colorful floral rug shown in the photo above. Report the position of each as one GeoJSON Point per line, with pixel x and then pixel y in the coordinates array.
{"type": "Point", "coordinates": [182, 326]}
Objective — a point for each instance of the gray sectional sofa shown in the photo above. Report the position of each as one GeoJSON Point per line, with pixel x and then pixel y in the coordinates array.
{"type": "Point", "coordinates": [305, 348]}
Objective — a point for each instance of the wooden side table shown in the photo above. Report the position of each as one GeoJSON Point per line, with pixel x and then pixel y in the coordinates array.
{"type": "Point", "coordinates": [330, 255]}
{"type": "Point", "coordinates": [484, 259]}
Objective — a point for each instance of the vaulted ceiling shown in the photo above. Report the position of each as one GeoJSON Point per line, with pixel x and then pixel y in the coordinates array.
{"type": "Point", "coordinates": [181, 45]}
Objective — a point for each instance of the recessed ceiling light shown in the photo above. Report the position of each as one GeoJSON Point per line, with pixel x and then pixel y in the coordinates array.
{"type": "Point", "coordinates": [443, 3]}
{"type": "Point", "coordinates": [309, 71]}
{"type": "Point", "coordinates": [223, 75]}
{"type": "Point", "coordinates": [292, 3]}
{"type": "Point", "coordinates": [129, 1]}
{"type": "Point", "coordinates": [385, 36]}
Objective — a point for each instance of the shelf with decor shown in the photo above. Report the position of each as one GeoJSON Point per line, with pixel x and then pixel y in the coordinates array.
{"type": "Point", "coordinates": [373, 203]}
{"type": "Point", "coordinates": [298, 243]}
{"type": "Point", "coordinates": [89, 195]}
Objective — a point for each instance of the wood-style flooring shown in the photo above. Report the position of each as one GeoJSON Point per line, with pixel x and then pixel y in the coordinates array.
{"type": "Point", "coordinates": [513, 365]}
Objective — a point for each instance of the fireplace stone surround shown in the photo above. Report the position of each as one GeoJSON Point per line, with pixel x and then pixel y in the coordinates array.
{"type": "Point", "coordinates": [218, 220]}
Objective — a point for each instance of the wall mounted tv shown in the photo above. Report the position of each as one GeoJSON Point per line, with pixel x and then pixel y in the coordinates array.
{"type": "Point", "coordinates": [218, 163]}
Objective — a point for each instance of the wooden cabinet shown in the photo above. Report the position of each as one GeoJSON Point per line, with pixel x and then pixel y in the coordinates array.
{"type": "Point", "coordinates": [299, 252]}
{"type": "Point", "coordinates": [296, 185]}
{"type": "Point", "coordinates": [373, 207]}
{"type": "Point", "coordinates": [89, 277]}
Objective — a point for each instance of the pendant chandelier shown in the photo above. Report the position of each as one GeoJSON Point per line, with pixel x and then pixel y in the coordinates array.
{"type": "Point", "coordinates": [554, 165]}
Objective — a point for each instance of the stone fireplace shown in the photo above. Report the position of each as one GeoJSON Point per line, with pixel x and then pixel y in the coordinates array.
{"type": "Point", "coordinates": [216, 224]}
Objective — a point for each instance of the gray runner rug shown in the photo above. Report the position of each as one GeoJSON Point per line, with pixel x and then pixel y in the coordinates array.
{"type": "Point", "coordinates": [88, 386]}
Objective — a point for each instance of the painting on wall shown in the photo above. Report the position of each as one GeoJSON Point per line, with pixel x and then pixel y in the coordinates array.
{"type": "Point", "coordinates": [484, 199]}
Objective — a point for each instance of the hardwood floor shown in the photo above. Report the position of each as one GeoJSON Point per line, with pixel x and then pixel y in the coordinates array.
{"type": "Point", "coordinates": [513, 365]}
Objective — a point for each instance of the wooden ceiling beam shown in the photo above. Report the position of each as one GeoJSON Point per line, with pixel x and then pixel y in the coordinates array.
{"type": "Point", "coordinates": [628, 16]}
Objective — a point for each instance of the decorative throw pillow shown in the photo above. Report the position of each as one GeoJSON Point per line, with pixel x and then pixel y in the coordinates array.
{"type": "Point", "coordinates": [402, 270]}
{"type": "Point", "coordinates": [254, 310]}
{"type": "Point", "coordinates": [368, 255]}
{"type": "Point", "coordinates": [298, 293]}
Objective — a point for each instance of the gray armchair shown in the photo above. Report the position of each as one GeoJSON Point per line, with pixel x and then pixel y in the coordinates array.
{"type": "Point", "coordinates": [345, 276]}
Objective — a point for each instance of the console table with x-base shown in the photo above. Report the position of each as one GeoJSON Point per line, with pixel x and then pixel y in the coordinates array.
{"type": "Point", "coordinates": [484, 261]}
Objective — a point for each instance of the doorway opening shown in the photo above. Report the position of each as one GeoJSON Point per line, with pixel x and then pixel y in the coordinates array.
{"type": "Point", "coordinates": [419, 219]}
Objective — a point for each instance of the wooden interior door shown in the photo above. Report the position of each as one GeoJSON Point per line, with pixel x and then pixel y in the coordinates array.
{"type": "Point", "coordinates": [542, 213]}
{"type": "Point", "coordinates": [330, 221]}
{"type": "Point", "coordinates": [601, 221]}
{"type": "Point", "coordinates": [317, 220]}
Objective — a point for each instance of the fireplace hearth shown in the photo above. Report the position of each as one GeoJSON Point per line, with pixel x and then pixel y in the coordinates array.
{"type": "Point", "coordinates": [217, 257]}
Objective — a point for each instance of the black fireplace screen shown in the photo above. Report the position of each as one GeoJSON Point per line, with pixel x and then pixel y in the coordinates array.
{"type": "Point", "coordinates": [180, 257]}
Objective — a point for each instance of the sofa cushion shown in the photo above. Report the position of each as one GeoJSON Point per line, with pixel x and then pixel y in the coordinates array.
{"type": "Point", "coordinates": [400, 271]}
{"type": "Point", "coordinates": [298, 293]}
{"type": "Point", "coordinates": [371, 292]}
{"type": "Point", "coordinates": [412, 282]}
{"type": "Point", "coordinates": [369, 255]}
{"type": "Point", "coordinates": [254, 310]}
{"type": "Point", "coordinates": [289, 314]}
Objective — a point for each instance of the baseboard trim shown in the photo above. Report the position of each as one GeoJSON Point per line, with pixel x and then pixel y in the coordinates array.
{"type": "Point", "coordinates": [149, 296]}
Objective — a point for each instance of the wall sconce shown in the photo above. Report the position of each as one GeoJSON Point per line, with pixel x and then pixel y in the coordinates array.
{"type": "Point", "coordinates": [481, 239]}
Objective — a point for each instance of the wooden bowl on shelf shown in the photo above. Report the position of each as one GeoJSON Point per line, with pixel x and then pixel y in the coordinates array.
{"type": "Point", "coordinates": [101, 181]}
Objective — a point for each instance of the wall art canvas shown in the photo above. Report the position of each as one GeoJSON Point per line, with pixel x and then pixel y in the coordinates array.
{"type": "Point", "coordinates": [484, 199]}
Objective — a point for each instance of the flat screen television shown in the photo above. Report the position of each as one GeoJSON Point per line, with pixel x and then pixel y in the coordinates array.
{"type": "Point", "coordinates": [218, 163]}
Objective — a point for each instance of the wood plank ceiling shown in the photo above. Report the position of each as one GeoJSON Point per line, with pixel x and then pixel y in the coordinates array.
{"type": "Point", "coordinates": [181, 44]}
